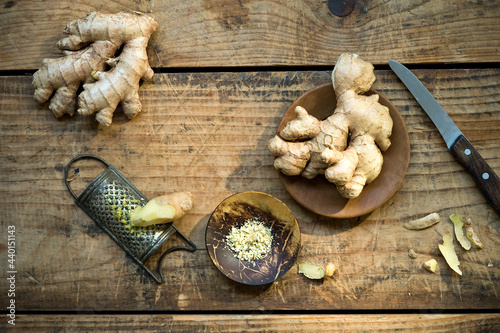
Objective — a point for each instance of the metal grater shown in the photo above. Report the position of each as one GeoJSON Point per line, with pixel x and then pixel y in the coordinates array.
{"type": "Point", "coordinates": [108, 200]}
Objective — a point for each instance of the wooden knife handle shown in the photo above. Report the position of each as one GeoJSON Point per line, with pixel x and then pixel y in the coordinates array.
{"type": "Point", "coordinates": [485, 177]}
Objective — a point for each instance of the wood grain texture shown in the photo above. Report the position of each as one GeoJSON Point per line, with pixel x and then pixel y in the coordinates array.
{"type": "Point", "coordinates": [224, 33]}
{"type": "Point", "coordinates": [262, 323]}
{"type": "Point", "coordinates": [207, 133]}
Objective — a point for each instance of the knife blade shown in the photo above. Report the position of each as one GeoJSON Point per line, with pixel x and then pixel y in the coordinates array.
{"type": "Point", "coordinates": [460, 147]}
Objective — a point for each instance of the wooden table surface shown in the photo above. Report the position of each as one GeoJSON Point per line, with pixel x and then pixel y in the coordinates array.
{"type": "Point", "coordinates": [225, 72]}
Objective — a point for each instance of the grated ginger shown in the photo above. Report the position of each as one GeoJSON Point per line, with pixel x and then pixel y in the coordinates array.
{"type": "Point", "coordinates": [252, 241]}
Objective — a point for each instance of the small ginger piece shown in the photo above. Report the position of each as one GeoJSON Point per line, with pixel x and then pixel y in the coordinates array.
{"type": "Point", "coordinates": [163, 209]}
{"type": "Point", "coordinates": [458, 226]}
{"type": "Point", "coordinates": [412, 254]}
{"type": "Point", "coordinates": [422, 223]}
{"type": "Point", "coordinates": [89, 59]}
{"type": "Point", "coordinates": [330, 269]}
{"type": "Point", "coordinates": [347, 146]}
{"type": "Point", "coordinates": [471, 234]}
{"type": "Point", "coordinates": [448, 251]}
{"type": "Point", "coordinates": [430, 265]}
{"type": "Point", "coordinates": [312, 271]}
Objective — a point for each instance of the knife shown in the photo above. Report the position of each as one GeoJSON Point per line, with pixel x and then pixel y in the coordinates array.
{"type": "Point", "coordinates": [463, 151]}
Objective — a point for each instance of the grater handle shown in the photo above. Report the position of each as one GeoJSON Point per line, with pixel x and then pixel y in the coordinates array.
{"type": "Point", "coordinates": [191, 248]}
{"type": "Point", "coordinates": [81, 157]}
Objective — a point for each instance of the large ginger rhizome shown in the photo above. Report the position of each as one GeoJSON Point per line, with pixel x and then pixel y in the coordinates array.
{"type": "Point", "coordinates": [89, 49]}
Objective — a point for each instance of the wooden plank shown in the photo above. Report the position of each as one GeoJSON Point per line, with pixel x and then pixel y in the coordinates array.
{"type": "Point", "coordinates": [262, 323]}
{"type": "Point", "coordinates": [225, 33]}
{"type": "Point", "coordinates": [207, 133]}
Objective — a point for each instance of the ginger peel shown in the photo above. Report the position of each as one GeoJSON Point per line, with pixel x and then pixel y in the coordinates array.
{"type": "Point", "coordinates": [458, 227]}
{"type": "Point", "coordinates": [471, 234]}
{"type": "Point", "coordinates": [447, 249]}
{"type": "Point", "coordinates": [423, 222]}
{"type": "Point", "coordinates": [347, 146]}
{"type": "Point", "coordinates": [89, 50]}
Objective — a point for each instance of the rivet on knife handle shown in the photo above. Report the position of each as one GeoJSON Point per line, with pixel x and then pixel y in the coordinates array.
{"type": "Point", "coordinates": [486, 179]}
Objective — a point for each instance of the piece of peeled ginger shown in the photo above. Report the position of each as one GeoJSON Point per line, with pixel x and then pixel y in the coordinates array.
{"type": "Point", "coordinates": [448, 251]}
{"type": "Point", "coordinates": [163, 209]}
{"type": "Point", "coordinates": [312, 271]}
{"type": "Point", "coordinates": [430, 265]}
{"type": "Point", "coordinates": [330, 269]}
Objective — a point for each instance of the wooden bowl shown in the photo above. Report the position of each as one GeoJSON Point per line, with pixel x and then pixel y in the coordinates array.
{"type": "Point", "coordinates": [234, 212]}
{"type": "Point", "coordinates": [320, 196]}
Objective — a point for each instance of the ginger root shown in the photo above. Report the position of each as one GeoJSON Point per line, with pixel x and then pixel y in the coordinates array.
{"type": "Point", "coordinates": [164, 209]}
{"type": "Point", "coordinates": [346, 147]}
{"type": "Point", "coordinates": [89, 50]}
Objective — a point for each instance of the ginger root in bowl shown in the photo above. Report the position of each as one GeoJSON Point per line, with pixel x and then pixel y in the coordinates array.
{"type": "Point", "coordinates": [347, 146]}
